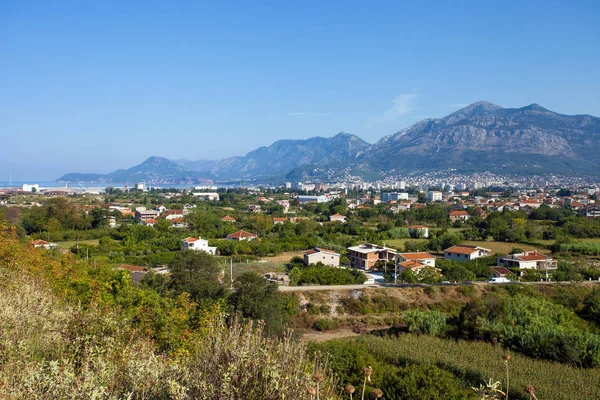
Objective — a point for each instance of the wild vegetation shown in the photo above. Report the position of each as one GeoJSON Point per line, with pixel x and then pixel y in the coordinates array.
{"type": "Point", "coordinates": [70, 331]}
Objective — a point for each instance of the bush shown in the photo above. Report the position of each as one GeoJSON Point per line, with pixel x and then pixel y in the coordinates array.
{"type": "Point", "coordinates": [430, 322]}
{"type": "Point", "coordinates": [425, 382]}
{"type": "Point", "coordinates": [466, 290]}
{"type": "Point", "coordinates": [326, 324]}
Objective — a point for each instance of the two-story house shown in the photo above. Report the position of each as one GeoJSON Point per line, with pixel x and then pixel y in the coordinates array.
{"type": "Point", "coordinates": [197, 244]}
{"type": "Point", "coordinates": [459, 215]}
{"type": "Point", "coordinates": [367, 255]}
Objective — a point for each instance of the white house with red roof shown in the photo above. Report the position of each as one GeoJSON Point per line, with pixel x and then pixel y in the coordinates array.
{"type": "Point", "coordinates": [42, 243]}
{"type": "Point", "coordinates": [420, 256]}
{"type": "Point", "coordinates": [197, 244]}
{"type": "Point", "coordinates": [459, 215]}
{"type": "Point", "coordinates": [415, 266]}
{"type": "Point", "coordinates": [241, 235]}
{"type": "Point", "coordinates": [228, 218]}
{"type": "Point", "coordinates": [327, 257]}
{"type": "Point", "coordinates": [463, 252]}
{"type": "Point", "coordinates": [528, 260]}
{"type": "Point", "coordinates": [338, 218]}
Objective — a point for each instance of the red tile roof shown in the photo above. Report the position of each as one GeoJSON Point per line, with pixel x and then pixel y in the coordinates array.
{"type": "Point", "coordinates": [416, 256]}
{"type": "Point", "coordinates": [464, 249]}
{"type": "Point", "coordinates": [532, 256]}
{"type": "Point", "coordinates": [241, 234]}
{"type": "Point", "coordinates": [133, 268]}
{"type": "Point", "coordinates": [457, 213]}
{"type": "Point", "coordinates": [411, 264]}
{"type": "Point", "coordinates": [501, 270]}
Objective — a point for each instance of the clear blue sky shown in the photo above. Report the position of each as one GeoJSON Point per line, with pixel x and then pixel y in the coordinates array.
{"type": "Point", "coordinates": [93, 86]}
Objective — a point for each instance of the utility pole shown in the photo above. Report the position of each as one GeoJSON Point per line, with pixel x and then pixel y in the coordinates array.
{"type": "Point", "coordinates": [231, 271]}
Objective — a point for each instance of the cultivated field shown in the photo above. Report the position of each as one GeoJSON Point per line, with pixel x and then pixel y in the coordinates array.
{"type": "Point", "coordinates": [70, 243]}
{"type": "Point", "coordinates": [482, 361]}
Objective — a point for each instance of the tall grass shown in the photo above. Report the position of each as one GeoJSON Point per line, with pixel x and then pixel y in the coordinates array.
{"type": "Point", "coordinates": [53, 349]}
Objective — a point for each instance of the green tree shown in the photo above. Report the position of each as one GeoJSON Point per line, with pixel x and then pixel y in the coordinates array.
{"type": "Point", "coordinates": [256, 298]}
{"type": "Point", "coordinates": [197, 273]}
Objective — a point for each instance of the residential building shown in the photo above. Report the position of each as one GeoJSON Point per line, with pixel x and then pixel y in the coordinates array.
{"type": "Point", "coordinates": [279, 221]}
{"type": "Point", "coordinates": [463, 252]}
{"type": "Point", "coordinates": [327, 257]}
{"type": "Point", "coordinates": [528, 260]}
{"type": "Point", "coordinates": [241, 235]}
{"type": "Point", "coordinates": [227, 218]}
{"type": "Point", "coordinates": [394, 196]}
{"type": "Point", "coordinates": [459, 215]}
{"type": "Point", "coordinates": [255, 208]}
{"type": "Point", "coordinates": [210, 196]}
{"type": "Point", "coordinates": [418, 231]}
{"type": "Point", "coordinates": [434, 196]}
{"type": "Point", "coordinates": [592, 212]}
{"type": "Point", "coordinates": [42, 243]}
{"type": "Point", "coordinates": [421, 256]}
{"type": "Point", "coordinates": [367, 255]}
{"type": "Point", "coordinates": [144, 215]}
{"type": "Point", "coordinates": [173, 214]}
{"type": "Point", "coordinates": [31, 188]}
{"type": "Point", "coordinates": [500, 272]}
{"type": "Point", "coordinates": [137, 272]}
{"type": "Point", "coordinates": [337, 218]}
{"type": "Point", "coordinates": [415, 266]}
{"type": "Point", "coordinates": [197, 244]}
{"type": "Point", "coordinates": [313, 199]}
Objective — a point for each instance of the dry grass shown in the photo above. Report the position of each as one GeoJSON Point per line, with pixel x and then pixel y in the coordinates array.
{"type": "Point", "coordinates": [51, 349]}
{"type": "Point", "coordinates": [285, 257]}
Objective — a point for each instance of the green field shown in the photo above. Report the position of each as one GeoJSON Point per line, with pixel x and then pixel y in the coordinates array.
{"type": "Point", "coordinates": [479, 361]}
{"type": "Point", "coordinates": [505, 247]}
{"type": "Point", "coordinates": [70, 243]}
{"type": "Point", "coordinates": [399, 243]}
{"type": "Point", "coordinates": [584, 240]}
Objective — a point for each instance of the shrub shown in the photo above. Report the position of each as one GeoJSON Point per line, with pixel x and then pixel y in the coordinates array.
{"type": "Point", "coordinates": [326, 324]}
{"type": "Point", "coordinates": [430, 322]}
{"type": "Point", "coordinates": [466, 290]}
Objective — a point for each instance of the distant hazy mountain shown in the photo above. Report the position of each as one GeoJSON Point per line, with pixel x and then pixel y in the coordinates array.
{"type": "Point", "coordinates": [284, 155]}
{"type": "Point", "coordinates": [154, 169]}
{"type": "Point", "coordinates": [480, 137]}
{"type": "Point", "coordinates": [198, 165]}
{"type": "Point", "coordinates": [484, 136]}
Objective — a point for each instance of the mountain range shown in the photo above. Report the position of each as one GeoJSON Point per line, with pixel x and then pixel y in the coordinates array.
{"type": "Point", "coordinates": [479, 137]}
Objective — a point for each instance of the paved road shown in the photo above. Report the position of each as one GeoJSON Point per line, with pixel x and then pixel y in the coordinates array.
{"type": "Point", "coordinates": [377, 286]}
